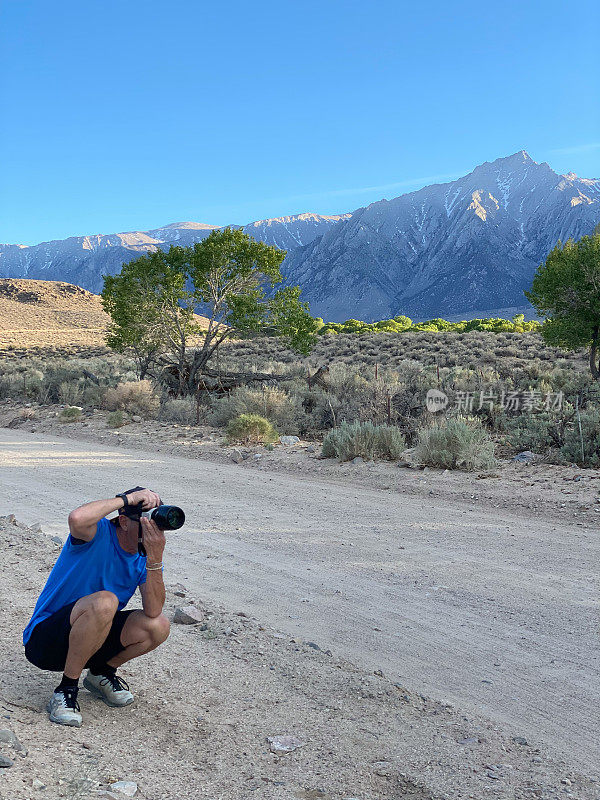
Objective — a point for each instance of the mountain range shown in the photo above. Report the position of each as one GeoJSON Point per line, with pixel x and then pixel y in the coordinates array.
{"type": "Point", "coordinates": [83, 260]}
{"type": "Point", "coordinates": [461, 248]}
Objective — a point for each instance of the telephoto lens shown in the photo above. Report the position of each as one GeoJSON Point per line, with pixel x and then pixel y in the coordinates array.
{"type": "Point", "coordinates": [167, 518]}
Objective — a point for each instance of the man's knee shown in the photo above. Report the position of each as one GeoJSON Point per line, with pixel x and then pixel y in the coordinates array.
{"type": "Point", "coordinates": [104, 604]}
{"type": "Point", "coordinates": [159, 628]}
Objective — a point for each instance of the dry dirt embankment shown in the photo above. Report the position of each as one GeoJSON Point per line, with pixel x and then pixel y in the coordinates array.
{"type": "Point", "coordinates": [495, 612]}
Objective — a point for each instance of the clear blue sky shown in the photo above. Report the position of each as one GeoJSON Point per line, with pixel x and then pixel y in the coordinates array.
{"type": "Point", "coordinates": [130, 115]}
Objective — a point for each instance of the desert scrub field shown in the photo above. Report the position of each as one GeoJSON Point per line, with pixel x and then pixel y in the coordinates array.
{"type": "Point", "coordinates": [378, 378]}
{"type": "Point", "coordinates": [74, 380]}
{"type": "Point", "coordinates": [506, 352]}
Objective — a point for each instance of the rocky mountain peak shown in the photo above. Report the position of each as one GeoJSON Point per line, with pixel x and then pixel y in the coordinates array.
{"type": "Point", "coordinates": [469, 246]}
{"type": "Point", "coordinates": [466, 246]}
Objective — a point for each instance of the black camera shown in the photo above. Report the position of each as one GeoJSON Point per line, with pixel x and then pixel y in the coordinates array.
{"type": "Point", "coordinates": [167, 518]}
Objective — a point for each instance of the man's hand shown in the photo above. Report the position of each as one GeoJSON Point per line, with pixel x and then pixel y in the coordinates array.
{"type": "Point", "coordinates": [147, 498]}
{"type": "Point", "coordinates": [154, 540]}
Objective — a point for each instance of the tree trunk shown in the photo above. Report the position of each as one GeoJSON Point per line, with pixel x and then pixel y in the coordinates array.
{"type": "Point", "coordinates": [181, 369]}
{"type": "Point", "coordinates": [245, 377]}
{"type": "Point", "coordinates": [594, 355]}
{"type": "Point", "coordinates": [197, 368]}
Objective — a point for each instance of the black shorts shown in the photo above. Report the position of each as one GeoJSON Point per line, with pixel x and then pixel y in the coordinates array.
{"type": "Point", "coordinates": [48, 644]}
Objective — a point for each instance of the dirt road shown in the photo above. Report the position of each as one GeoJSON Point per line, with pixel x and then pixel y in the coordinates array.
{"type": "Point", "coordinates": [496, 613]}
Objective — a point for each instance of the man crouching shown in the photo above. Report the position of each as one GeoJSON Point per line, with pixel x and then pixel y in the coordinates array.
{"type": "Point", "coordinates": [78, 623]}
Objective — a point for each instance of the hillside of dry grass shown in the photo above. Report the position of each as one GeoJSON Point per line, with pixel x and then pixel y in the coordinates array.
{"type": "Point", "coordinates": [49, 314]}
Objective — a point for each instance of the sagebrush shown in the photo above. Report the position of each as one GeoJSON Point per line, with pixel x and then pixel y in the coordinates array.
{"type": "Point", "coordinates": [70, 414]}
{"type": "Point", "coordinates": [179, 409]}
{"type": "Point", "coordinates": [456, 444]}
{"type": "Point", "coordinates": [251, 429]}
{"type": "Point", "coordinates": [381, 378]}
{"type": "Point", "coordinates": [365, 440]}
{"type": "Point", "coordinates": [280, 407]}
{"type": "Point", "coordinates": [116, 419]}
{"type": "Point", "coordinates": [136, 397]}
{"type": "Point", "coordinates": [582, 439]}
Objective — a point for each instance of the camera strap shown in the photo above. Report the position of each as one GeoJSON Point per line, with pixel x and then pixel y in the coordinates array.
{"type": "Point", "coordinates": [135, 513]}
{"type": "Point", "coordinates": [141, 548]}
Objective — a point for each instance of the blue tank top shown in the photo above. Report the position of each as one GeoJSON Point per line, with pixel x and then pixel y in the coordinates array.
{"type": "Point", "coordinates": [82, 569]}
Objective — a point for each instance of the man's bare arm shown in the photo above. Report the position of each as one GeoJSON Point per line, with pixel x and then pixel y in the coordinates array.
{"type": "Point", "coordinates": [83, 521]}
{"type": "Point", "coordinates": [153, 590]}
{"type": "Point", "coordinates": [153, 593]}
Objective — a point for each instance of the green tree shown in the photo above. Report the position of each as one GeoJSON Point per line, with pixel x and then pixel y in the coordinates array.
{"type": "Point", "coordinates": [292, 319]}
{"type": "Point", "coordinates": [354, 326]}
{"type": "Point", "coordinates": [566, 290]}
{"type": "Point", "coordinates": [229, 277]}
{"type": "Point", "coordinates": [386, 326]}
{"type": "Point", "coordinates": [403, 321]}
{"type": "Point", "coordinates": [151, 309]}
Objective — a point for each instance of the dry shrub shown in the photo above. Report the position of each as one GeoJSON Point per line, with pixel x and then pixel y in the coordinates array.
{"type": "Point", "coordinates": [365, 440]}
{"type": "Point", "coordinates": [282, 409]}
{"type": "Point", "coordinates": [70, 392]}
{"type": "Point", "coordinates": [459, 443]}
{"type": "Point", "coordinates": [179, 409]}
{"type": "Point", "coordinates": [11, 386]}
{"type": "Point", "coordinates": [323, 410]}
{"type": "Point", "coordinates": [135, 397]}
{"type": "Point", "coordinates": [251, 429]}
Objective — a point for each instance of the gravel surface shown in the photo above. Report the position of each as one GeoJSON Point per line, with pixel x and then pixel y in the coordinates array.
{"type": "Point", "coordinates": [216, 703]}
{"type": "Point", "coordinates": [490, 609]}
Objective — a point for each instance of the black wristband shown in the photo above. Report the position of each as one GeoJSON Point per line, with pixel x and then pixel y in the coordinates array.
{"type": "Point", "coordinates": [124, 499]}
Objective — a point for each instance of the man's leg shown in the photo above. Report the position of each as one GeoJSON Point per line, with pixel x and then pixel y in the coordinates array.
{"type": "Point", "coordinates": [140, 635]}
{"type": "Point", "coordinates": [91, 619]}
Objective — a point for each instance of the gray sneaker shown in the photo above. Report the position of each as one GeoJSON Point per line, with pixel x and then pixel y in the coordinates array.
{"type": "Point", "coordinates": [110, 688]}
{"type": "Point", "coordinates": [64, 708]}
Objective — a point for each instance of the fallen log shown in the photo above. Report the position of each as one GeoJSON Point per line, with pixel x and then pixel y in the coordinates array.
{"type": "Point", "coordinates": [213, 380]}
{"type": "Point", "coordinates": [244, 377]}
{"type": "Point", "coordinates": [90, 375]}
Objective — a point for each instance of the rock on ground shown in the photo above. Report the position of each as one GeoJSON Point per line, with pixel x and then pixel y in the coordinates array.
{"type": "Point", "coordinates": [127, 788]}
{"type": "Point", "coordinates": [188, 615]}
